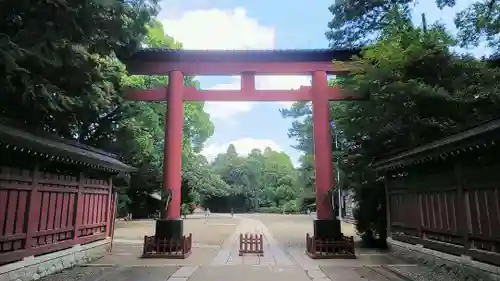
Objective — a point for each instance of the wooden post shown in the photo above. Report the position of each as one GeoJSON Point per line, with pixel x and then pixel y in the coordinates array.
{"type": "Point", "coordinates": [78, 211]}
{"type": "Point", "coordinates": [241, 242]}
{"type": "Point", "coordinates": [109, 208]}
{"type": "Point", "coordinates": [146, 246]}
{"type": "Point", "coordinates": [33, 210]}
{"type": "Point", "coordinates": [261, 243]}
{"type": "Point", "coordinates": [387, 204]}
{"type": "Point", "coordinates": [461, 214]}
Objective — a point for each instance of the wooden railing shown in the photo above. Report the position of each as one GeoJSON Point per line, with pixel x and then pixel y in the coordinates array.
{"type": "Point", "coordinates": [251, 244]}
{"type": "Point", "coordinates": [155, 247]}
{"type": "Point", "coordinates": [44, 212]}
{"type": "Point", "coordinates": [330, 249]}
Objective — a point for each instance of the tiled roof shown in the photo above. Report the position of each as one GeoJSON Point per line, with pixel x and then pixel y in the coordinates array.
{"type": "Point", "coordinates": [65, 150]}
{"type": "Point", "coordinates": [482, 135]}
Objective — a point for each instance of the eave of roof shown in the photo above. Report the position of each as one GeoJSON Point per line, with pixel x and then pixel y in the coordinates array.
{"type": "Point", "coordinates": [15, 138]}
{"type": "Point", "coordinates": [173, 55]}
{"type": "Point", "coordinates": [451, 145]}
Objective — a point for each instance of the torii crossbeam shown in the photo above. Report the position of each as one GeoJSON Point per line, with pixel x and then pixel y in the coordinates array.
{"type": "Point", "coordinates": [248, 64]}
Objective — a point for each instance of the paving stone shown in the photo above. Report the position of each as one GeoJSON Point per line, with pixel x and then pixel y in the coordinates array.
{"type": "Point", "coordinates": [251, 260]}
{"type": "Point", "coordinates": [141, 273]}
{"type": "Point", "coordinates": [249, 273]}
{"type": "Point", "coordinates": [184, 271]}
{"type": "Point", "coordinates": [178, 279]}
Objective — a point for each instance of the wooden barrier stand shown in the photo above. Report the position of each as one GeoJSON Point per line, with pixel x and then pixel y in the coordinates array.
{"type": "Point", "coordinates": [251, 244]}
{"type": "Point", "coordinates": [330, 249]}
{"type": "Point", "coordinates": [167, 248]}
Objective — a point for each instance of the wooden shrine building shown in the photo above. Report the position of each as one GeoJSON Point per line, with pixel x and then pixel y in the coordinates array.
{"type": "Point", "coordinates": [54, 193]}
{"type": "Point", "coordinates": [445, 195]}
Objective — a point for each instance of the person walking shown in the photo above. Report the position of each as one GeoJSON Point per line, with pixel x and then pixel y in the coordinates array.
{"type": "Point", "coordinates": [207, 214]}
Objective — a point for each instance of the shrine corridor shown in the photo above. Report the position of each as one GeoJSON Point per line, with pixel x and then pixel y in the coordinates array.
{"type": "Point", "coordinates": [215, 255]}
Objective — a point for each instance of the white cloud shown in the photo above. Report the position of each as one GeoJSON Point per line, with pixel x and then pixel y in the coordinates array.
{"type": "Point", "coordinates": [225, 111]}
{"type": "Point", "coordinates": [226, 30]}
{"type": "Point", "coordinates": [243, 146]}
{"type": "Point", "coordinates": [282, 82]}
{"type": "Point", "coordinates": [219, 29]}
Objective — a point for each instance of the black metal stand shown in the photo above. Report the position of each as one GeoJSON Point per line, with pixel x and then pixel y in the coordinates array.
{"type": "Point", "coordinates": [169, 229]}
{"type": "Point", "coordinates": [327, 229]}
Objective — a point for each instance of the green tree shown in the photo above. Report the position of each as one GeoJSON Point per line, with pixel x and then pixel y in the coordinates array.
{"type": "Point", "coordinates": [59, 61]}
{"type": "Point", "coordinates": [419, 90]}
{"type": "Point", "coordinates": [260, 181]}
{"type": "Point", "coordinates": [55, 60]}
{"type": "Point", "coordinates": [146, 129]}
{"type": "Point", "coordinates": [361, 23]}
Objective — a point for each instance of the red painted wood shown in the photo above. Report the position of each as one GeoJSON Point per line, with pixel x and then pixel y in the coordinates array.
{"type": "Point", "coordinates": [236, 68]}
{"type": "Point", "coordinates": [113, 215]}
{"type": "Point", "coordinates": [108, 213]}
{"type": "Point", "coordinates": [17, 236]}
{"type": "Point", "coordinates": [52, 210]}
{"type": "Point", "coordinates": [71, 210]}
{"type": "Point", "coordinates": [64, 210]}
{"type": "Point", "coordinates": [33, 209]}
{"type": "Point", "coordinates": [304, 93]}
{"type": "Point", "coordinates": [11, 212]}
{"type": "Point", "coordinates": [322, 145]}
{"type": "Point", "coordinates": [79, 201]}
{"type": "Point", "coordinates": [49, 216]}
{"type": "Point", "coordinates": [3, 210]}
{"type": "Point", "coordinates": [96, 209]}
{"type": "Point", "coordinates": [18, 255]}
{"type": "Point", "coordinates": [247, 82]}
{"type": "Point", "coordinates": [91, 209]}
{"type": "Point", "coordinates": [43, 211]}
{"type": "Point", "coordinates": [105, 205]}
{"type": "Point", "coordinates": [97, 213]}
{"type": "Point", "coordinates": [173, 144]}
{"type": "Point", "coordinates": [59, 208]}
{"type": "Point", "coordinates": [157, 94]}
{"type": "Point", "coordinates": [83, 217]}
{"type": "Point", "coordinates": [21, 211]}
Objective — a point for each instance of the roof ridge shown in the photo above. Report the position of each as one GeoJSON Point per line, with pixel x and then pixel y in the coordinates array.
{"type": "Point", "coordinates": [18, 126]}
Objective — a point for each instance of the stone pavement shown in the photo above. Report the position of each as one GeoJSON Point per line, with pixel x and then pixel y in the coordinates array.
{"type": "Point", "coordinates": [211, 261]}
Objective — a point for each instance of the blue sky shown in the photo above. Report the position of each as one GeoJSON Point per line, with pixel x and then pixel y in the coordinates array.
{"type": "Point", "coordinates": [259, 24]}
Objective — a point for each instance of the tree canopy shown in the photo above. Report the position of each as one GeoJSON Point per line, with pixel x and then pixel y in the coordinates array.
{"type": "Point", "coordinates": [420, 89]}
{"type": "Point", "coordinates": [262, 181]}
{"type": "Point", "coordinates": [59, 62]}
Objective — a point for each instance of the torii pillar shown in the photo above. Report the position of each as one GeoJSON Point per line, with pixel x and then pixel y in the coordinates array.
{"type": "Point", "coordinates": [327, 225]}
{"type": "Point", "coordinates": [170, 225]}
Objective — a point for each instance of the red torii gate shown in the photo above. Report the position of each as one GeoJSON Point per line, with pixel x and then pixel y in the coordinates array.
{"type": "Point", "coordinates": [177, 63]}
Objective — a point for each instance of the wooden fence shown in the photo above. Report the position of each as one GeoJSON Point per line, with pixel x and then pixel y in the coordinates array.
{"type": "Point", "coordinates": [42, 212]}
{"type": "Point", "coordinates": [456, 212]}
{"type": "Point", "coordinates": [251, 243]}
